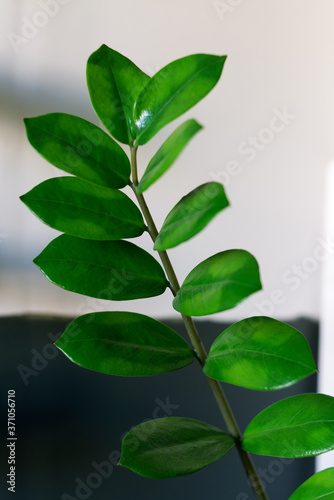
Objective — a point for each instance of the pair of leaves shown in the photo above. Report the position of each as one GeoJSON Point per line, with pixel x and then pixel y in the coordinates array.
{"type": "Point", "coordinates": [134, 107]}
{"type": "Point", "coordinates": [260, 353]}
{"type": "Point", "coordinates": [298, 426]}
{"type": "Point", "coordinates": [125, 344]}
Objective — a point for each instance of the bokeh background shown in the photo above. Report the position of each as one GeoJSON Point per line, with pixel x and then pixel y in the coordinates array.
{"type": "Point", "coordinates": [268, 137]}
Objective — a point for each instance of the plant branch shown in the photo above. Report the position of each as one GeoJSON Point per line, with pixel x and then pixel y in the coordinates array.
{"type": "Point", "coordinates": [197, 344]}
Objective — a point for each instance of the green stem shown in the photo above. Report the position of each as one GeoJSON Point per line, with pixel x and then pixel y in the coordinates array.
{"type": "Point", "coordinates": [197, 344]}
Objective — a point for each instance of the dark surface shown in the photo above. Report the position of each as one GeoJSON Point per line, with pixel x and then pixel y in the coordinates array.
{"type": "Point", "coordinates": [69, 420]}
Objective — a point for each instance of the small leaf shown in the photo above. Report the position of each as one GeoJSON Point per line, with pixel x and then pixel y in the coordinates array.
{"type": "Point", "coordinates": [218, 283]}
{"type": "Point", "coordinates": [168, 153]}
{"type": "Point", "coordinates": [125, 344]}
{"type": "Point", "coordinates": [114, 83]}
{"type": "Point", "coordinates": [299, 426]}
{"type": "Point", "coordinates": [172, 447]}
{"type": "Point", "coordinates": [79, 148]}
{"type": "Point", "coordinates": [320, 486]}
{"type": "Point", "coordinates": [112, 270]}
{"type": "Point", "coordinates": [173, 90]}
{"type": "Point", "coordinates": [191, 214]}
{"type": "Point", "coordinates": [82, 209]}
{"type": "Point", "coordinates": [260, 353]}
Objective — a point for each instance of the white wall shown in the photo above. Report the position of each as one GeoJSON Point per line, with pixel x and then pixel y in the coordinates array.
{"type": "Point", "coordinates": [279, 61]}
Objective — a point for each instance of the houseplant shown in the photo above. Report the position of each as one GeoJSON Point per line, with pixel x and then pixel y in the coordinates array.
{"type": "Point", "coordinates": [93, 258]}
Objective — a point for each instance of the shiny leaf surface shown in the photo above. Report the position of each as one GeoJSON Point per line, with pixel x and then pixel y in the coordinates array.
{"type": "Point", "coordinates": [112, 270]}
{"type": "Point", "coordinates": [125, 344]}
{"type": "Point", "coordinates": [172, 447]}
{"type": "Point", "coordinates": [168, 153]}
{"type": "Point", "coordinates": [320, 486]}
{"type": "Point", "coordinates": [114, 83]}
{"type": "Point", "coordinates": [173, 90]}
{"type": "Point", "coordinates": [218, 283]}
{"type": "Point", "coordinates": [79, 208]}
{"type": "Point", "coordinates": [299, 426]}
{"type": "Point", "coordinates": [79, 148]}
{"type": "Point", "coordinates": [260, 353]}
{"type": "Point", "coordinates": [191, 214]}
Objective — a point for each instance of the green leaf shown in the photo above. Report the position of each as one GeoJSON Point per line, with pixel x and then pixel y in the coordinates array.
{"type": "Point", "coordinates": [82, 209]}
{"type": "Point", "coordinates": [172, 447]}
{"type": "Point", "coordinates": [299, 426]}
{"type": "Point", "coordinates": [114, 83]}
{"type": "Point", "coordinates": [168, 153]}
{"type": "Point", "coordinates": [218, 283]}
{"type": "Point", "coordinates": [173, 90]}
{"type": "Point", "coordinates": [320, 486]}
{"type": "Point", "coordinates": [260, 353]}
{"type": "Point", "coordinates": [125, 344]}
{"type": "Point", "coordinates": [79, 148]}
{"type": "Point", "coordinates": [191, 214]}
{"type": "Point", "coordinates": [112, 270]}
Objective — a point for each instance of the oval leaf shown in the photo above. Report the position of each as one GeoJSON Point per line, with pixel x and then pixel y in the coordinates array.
{"type": "Point", "coordinates": [218, 283]}
{"type": "Point", "coordinates": [82, 209]}
{"type": "Point", "coordinates": [79, 148]}
{"type": "Point", "coordinates": [191, 214]}
{"type": "Point", "coordinates": [318, 487]}
{"type": "Point", "coordinates": [114, 83]}
{"type": "Point", "coordinates": [173, 90]}
{"type": "Point", "coordinates": [125, 344]}
{"type": "Point", "coordinates": [112, 270]}
{"type": "Point", "coordinates": [172, 447]}
{"type": "Point", "coordinates": [299, 426]}
{"type": "Point", "coordinates": [168, 153]}
{"type": "Point", "coordinates": [260, 353]}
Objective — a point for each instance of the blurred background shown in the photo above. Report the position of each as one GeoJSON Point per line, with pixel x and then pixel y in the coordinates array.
{"type": "Point", "coordinates": [268, 137]}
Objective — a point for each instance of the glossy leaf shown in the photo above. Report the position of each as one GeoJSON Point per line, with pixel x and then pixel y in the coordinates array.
{"type": "Point", "coordinates": [79, 148]}
{"type": "Point", "coordinates": [260, 353]}
{"type": "Point", "coordinates": [168, 153]}
{"type": "Point", "coordinates": [191, 214]}
{"type": "Point", "coordinates": [82, 209]}
{"type": "Point", "coordinates": [125, 344]}
{"type": "Point", "coordinates": [299, 426]}
{"type": "Point", "coordinates": [218, 283]}
{"type": "Point", "coordinates": [112, 270]}
{"type": "Point", "coordinates": [320, 486]}
{"type": "Point", "coordinates": [114, 83]}
{"type": "Point", "coordinates": [172, 447]}
{"type": "Point", "coordinates": [173, 90]}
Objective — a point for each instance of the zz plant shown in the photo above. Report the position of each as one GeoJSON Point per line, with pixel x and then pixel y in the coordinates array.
{"type": "Point", "coordinates": [97, 219]}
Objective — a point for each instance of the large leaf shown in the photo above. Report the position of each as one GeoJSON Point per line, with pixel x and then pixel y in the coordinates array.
{"type": "Point", "coordinates": [173, 90]}
{"type": "Point", "coordinates": [320, 486]}
{"type": "Point", "coordinates": [174, 446]}
{"type": "Point", "coordinates": [299, 426]}
{"type": "Point", "coordinates": [260, 353]}
{"type": "Point", "coordinates": [168, 153]}
{"type": "Point", "coordinates": [218, 283]}
{"type": "Point", "coordinates": [82, 209]}
{"type": "Point", "coordinates": [124, 343]}
{"type": "Point", "coordinates": [79, 148]}
{"type": "Point", "coordinates": [113, 270]}
{"type": "Point", "coordinates": [114, 83]}
{"type": "Point", "coordinates": [191, 214]}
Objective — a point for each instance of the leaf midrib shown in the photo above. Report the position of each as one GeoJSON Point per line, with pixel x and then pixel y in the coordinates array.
{"type": "Point", "coordinates": [259, 353]}
{"type": "Point", "coordinates": [288, 428]}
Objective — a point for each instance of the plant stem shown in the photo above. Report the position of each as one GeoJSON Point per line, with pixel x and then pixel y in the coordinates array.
{"type": "Point", "coordinates": [197, 344]}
